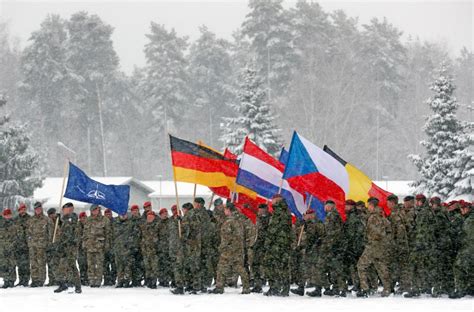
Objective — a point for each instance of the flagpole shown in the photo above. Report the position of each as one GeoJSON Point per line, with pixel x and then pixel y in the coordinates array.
{"type": "Point", "coordinates": [212, 199]}
{"type": "Point", "coordinates": [281, 185]}
{"type": "Point", "coordinates": [66, 166]}
{"type": "Point", "coordinates": [302, 228]}
{"type": "Point", "coordinates": [176, 192]}
{"type": "Point", "coordinates": [194, 192]}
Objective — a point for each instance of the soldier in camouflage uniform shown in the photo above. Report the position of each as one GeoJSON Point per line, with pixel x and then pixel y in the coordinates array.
{"type": "Point", "coordinates": [123, 234]}
{"type": "Point", "coordinates": [164, 274]}
{"type": "Point", "coordinates": [149, 244]}
{"type": "Point", "coordinates": [329, 263]}
{"type": "Point", "coordinates": [96, 242]}
{"type": "Point", "coordinates": [40, 234]}
{"type": "Point", "coordinates": [8, 239]}
{"type": "Point", "coordinates": [110, 270]}
{"type": "Point", "coordinates": [219, 214]}
{"type": "Point", "coordinates": [231, 251]}
{"type": "Point", "coordinates": [138, 270]}
{"type": "Point", "coordinates": [192, 239]}
{"type": "Point", "coordinates": [51, 257]}
{"type": "Point", "coordinates": [176, 250]}
{"type": "Point", "coordinates": [354, 237]}
{"type": "Point", "coordinates": [278, 248]}
{"type": "Point", "coordinates": [443, 278]}
{"type": "Point", "coordinates": [66, 245]}
{"type": "Point", "coordinates": [207, 235]}
{"type": "Point", "coordinates": [379, 238]}
{"type": "Point", "coordinates": [463, 272]}
{"type": "Point", "coordinates": [21, 246]}
{"type": "Point", "coordinates": [249, 240]}
{"type": "Point", "coordinates": [422, 249]}
{"type": "Point", "coordinates": [263, 219]}
{"type": "Point", "coordinates": [399, 251]}
{"type": "Point", "coordinates": [82, 256]}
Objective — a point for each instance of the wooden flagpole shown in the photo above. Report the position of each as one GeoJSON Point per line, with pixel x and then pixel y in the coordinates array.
{"type": "Point", "coordinates": [176, 192]}
{"type": "Point", "coordinates": [194, 191]}
{"type": "Point", "coordinates": [212, 199]}
{"type": "Point", "coordinates": [66, 167]}
{"type": "Point", "coordinates": [302, 228]}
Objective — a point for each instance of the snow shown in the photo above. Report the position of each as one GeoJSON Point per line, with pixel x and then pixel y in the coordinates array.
{"type": "Point", "coordinates": [143, 299]}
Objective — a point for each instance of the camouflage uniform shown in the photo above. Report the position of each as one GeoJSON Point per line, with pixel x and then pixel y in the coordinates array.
{"type": "Point", "coordinates": [149, 245]}
{"type": "Point", "coordinates": [399, 266]}
{"type": "Point", "coordinates": [354, 241]}
{"type": "Point", "coordinates": [123, 234]}
{"type": "Point", "coordinates": [278, 249]}
{"type": "Point", "coordinates": [8, 239]}
{"type": "Point", "coordinates": [52, 258]}
{"type": "Point", "coordinates": [259, 251]}
{"type": "Point", "coordinates": [67, 245]}
{"type": "Point", "coordinates": [249, 239]}
{"type": "Point", "coordinates": [110, 268]}
{"type": "Point", "coordinates": [164, 273]}
{"type": "Point", "coordinates": [191, 230]}
{"type": "Point", "coordinates": [207, 235]}
{"type": "Point", "coordinates": [463, 273]}
{"type": "Point", "coordinates": [175, 251]}
{"type": "Point", "coordinates": [379, 238]}
{"type": "Point", "coordinates": [138, 270]}
{"type": "Point", "coordinates": [231, 252]}
{"type": "Point", "coordinates": [82, 257]}
{"type": "Point", "coordinates": [96, 241]}
{"type": "Point", "coordinates": [40, 234]}
{"type": "Point", "coordinates": [21, 249]}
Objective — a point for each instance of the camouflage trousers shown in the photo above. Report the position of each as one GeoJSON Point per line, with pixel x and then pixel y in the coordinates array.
{"type": "Point", "coordinates": [163, 269]}
{"type": "Point", "coordinates": [206, 268]}
{"type": "Point", "coordinates": [7, 267]}
{"type": "Point", "coordinates": [38, 264]}
{"type": "Point", "coordinates": [150, 261]}
{"type": "Point", "coordinates": [110, 270]}
{"type": "Point", "coordinates": [328, 271]}
{"type": "Point", "coordinates": [443, 274]}
{"type": "Point", "coordinates": [277, 270]}
{"type": "Point", "coordinates": [123, 263]}
{"type": "Point", "coordinates": [229, 263]}
{"type": "Point", "coordinates": [379, 260]}
{"type": "Point", "coordinates": [421, 266]}
{"type": "Point", "coordinates": [176, 261]}
{"type": "Point", "coordinates": [257, 267]}
{"type": "Point", "coordinates": [53, 263]}
{"type": "Point", "coordinates": [23, 264]}
{"type": "Point", "coordinates": [192, 265]}
{"type": "Point", "coordinates": [82, 261]}
{"type": "Point", "coordinates": [400, 270]}
{"type": "Point", "coordinates": [67, 269]}
{"type": "Point", "coordinates": [463, 272]}
{"type": "Point", "coordinates": [95, 267]}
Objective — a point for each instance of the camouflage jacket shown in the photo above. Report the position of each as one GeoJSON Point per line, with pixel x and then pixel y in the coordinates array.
{"type": "Point", "coordinates": [67, 237]}
{"type": "Point", "coordinates": [8, 238]}
{"type": "Point", "coordinates": [123, 236]}
{"type": "Point", "coordinates": [442, 236]}
{"type": "Point", "coordinates": [279, 236]}
{"type": "Point", "coordinates": [424, 231]}
{"type": "Point", "coordinates": [332, 241]}
{"type": "Point", "coordinates": [97, 234]}
{"type": "Point", "coordinates": [354, 234]}
{"type": "Point", "coordinates": [40, 231]}
{"type": "Point", "coordinates": [150, 235]}
{"type": "Point", "coordinates": [249, 230]}
{"type": "Point", "coordinates": [232, 242]}
{"type": "Point", "coordinates": [22, 227]}
{"type": "Point", "coordinates": [378, 232]}
{"type": "Point", "coordinates": [175, 243]}
{"type": "Point", "coordinates": [261, 231]}
{"type": "Point", "coordinates": [163, 236]}
{"type": "Point", "coordinates": [191, 227]}
{"type": "Point", "coordinates": [399, 232]}
{"type": "Point", "coordinates": [314, 231]}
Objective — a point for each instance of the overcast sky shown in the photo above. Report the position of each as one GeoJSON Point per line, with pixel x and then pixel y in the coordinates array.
{"type": "Point", "coordinates": [448, 22]}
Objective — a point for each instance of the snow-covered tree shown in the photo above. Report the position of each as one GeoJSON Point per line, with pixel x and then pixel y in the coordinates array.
{"type": "Point", "coordinates": [443, 130]}
{"type": "Point", "coordinates": [253, 117]}
{"type": "Point", "coordinates": [19, 164]}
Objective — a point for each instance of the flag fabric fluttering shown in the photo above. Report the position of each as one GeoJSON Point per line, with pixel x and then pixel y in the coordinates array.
{"type": "Point", "coordinates": [283, 156]}
{"type": "Point", "coordinates": [84, 189]}
{"type": "Point", "coordinates": [310, 169]}
{"type": "Point", "coordinates": [361, 187]}
{"type": "Point", "coordinates": [263, 174]}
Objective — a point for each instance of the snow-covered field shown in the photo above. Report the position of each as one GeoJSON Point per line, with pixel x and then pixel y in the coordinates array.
{"type": "Point", "coordinates": [143, 299]}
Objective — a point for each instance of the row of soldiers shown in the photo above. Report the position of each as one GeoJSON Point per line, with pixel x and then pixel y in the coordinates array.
{"type": "Point", "coordinates": [419, 248]}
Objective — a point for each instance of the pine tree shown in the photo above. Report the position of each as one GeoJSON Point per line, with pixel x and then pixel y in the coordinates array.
{"type": "Point", "coordinates": [443, 130]}
{"type": "Point", "coordinates": [19, 164]}
{"type": "Point", "coordinates": [254, 118]}
{"type": "Point", "coordinates": [463, 172]}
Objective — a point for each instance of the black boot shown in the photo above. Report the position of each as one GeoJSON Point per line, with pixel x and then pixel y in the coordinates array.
{"type": "Point", "coordinates": [78, 289]}
{"type": "Point", "coordinates": [362, 294]}
{"type": "Point", "coordinates": [62, 287]}
{"type": "Point", "coordinates": [8, 284]}
{"type": "Point", "coordinates": [119, 284]}
{"type": "Point", "coordinates": [216, 291]}
{"type": "Point", "coordinates": [256, 289]}
{"type": "Point", "coordinates": [412, 294]}
{"type": "Point", "coordinates": [178, 291]}
{"type": "Point", "coordinates": [457, 294]}
{"type": "Point", "coordinates": [315, 293]}
{"type": "Point", "coordinates": [151, 283]}
{"type": "Point", "coordinates": [298, 291]}
{"type": "Point", "coordinates": [271, 292]}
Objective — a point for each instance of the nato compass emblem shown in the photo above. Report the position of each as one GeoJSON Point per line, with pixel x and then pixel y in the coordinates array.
{"type": "Point", "coordinates": [93, 193]}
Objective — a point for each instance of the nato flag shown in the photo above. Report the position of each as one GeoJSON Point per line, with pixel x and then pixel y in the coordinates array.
{"type": "Point", "coordinates": [82, 188]}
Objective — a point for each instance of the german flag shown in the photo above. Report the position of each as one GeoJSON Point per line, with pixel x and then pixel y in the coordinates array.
{"type": "Point", "coordinates": [198, 164]}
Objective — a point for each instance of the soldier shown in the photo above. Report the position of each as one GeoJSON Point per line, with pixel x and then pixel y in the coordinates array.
{"type": "Point", "coordinates": [207, 234]}
{"type": "Point", "coordinates": [329, 263]}
{"type": "Point", "coordinates": [51, 257]}
{"type": "Point", "coordinates": [378, 233]}
{"type": "Point", "coordinates": [146, 207]}
{"type": "Point", "coordinates": [463, 273]}
{"type": "Point", "coordinates": [135, 248]}
{"type": "Point", "coordinates": [219, 214]}
{"type": "Point", "coordinates": [443, 279]}
{"type": "Point", "coordinates": [8, 239]}
{"type": "Point", "coordinates": [263, 219]}
{"type": "Point", "coordinates": [96, 242]}
{"type": "Point", "coordinates": [82, 256]}
{"type": "Point", "coordinates": [399, 266]}
{"type": "Point", "coordinates": [66, 245]}
{"type": "Point", "coordinates": [249, 240]}
{"type": "Point", "coordinates": [21, 246]}
{"type": "Point", "coordinates": [164, 274]}
{"type": "Point", "coordinates": [422, 249]}
{"type": "Point", "coordinates": [110, 270]}
{"type": "Point", "coordinates": [353, 231]}
{"type": "Point", "coordinates": [176, 250]}
{"type": "Point", "coordinates": [191, 237]}
{"type": "Point", "coordinates": [149, 245]}
{"type": "Point", "coordinates": [231, 251]}
{"type": "Point", "coordinates": [40, 234]}
{"type": "Point", "coordinates": [278, 248]}
{"type": "Point", "coordinates": [123, 233]}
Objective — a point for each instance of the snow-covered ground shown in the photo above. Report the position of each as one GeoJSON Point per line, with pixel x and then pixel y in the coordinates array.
{"type": "Point", "coordinates": [143, 299]}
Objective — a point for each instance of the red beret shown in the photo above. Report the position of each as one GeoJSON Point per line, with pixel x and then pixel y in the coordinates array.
{"type": "Point", "coordinates": [82, 214]}
{"type": "Point", "coordinates": [420, 197]}
{"type": "Point", "coordinates": [22, 205]}
{"type": "Point", "coordinates": [163, 210]}
{"type": "Point", "coordinates": [309, 211]}
{"type": "Point", "coordinates": [350, 202]}
{"type": "Point", "coordinates": [7, 211]}
{"type": "Point", "coordinates": [107, 210]}
{"type": "Point", "coordinates": [174, 207]}
{"type": "Point", "coordinates": [146, 204]}
{"type": "Point", "coordinates": [134, 207]}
